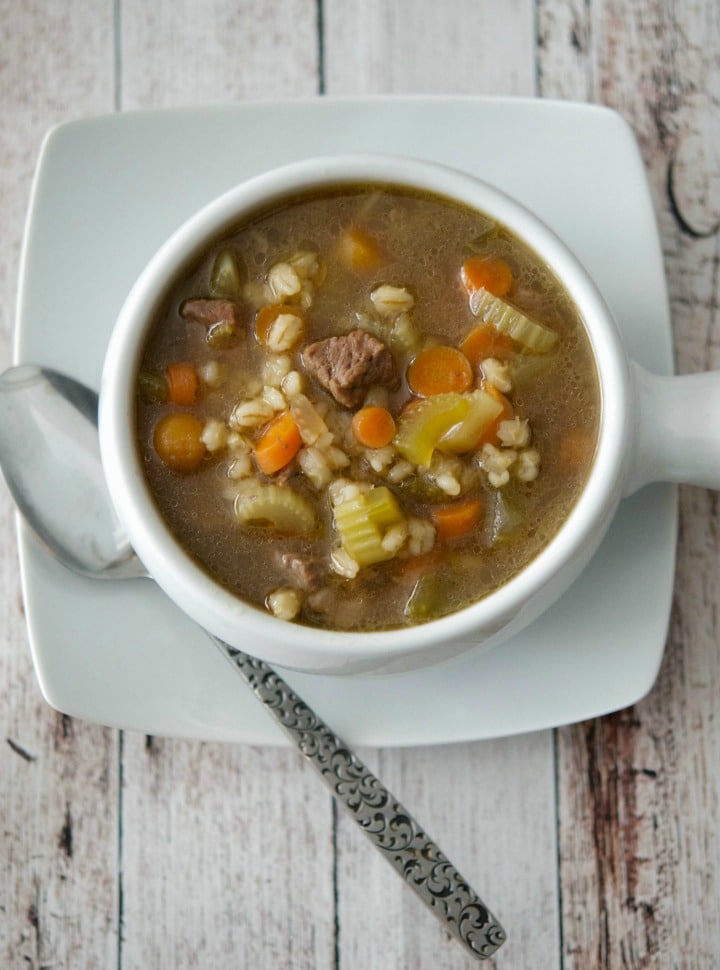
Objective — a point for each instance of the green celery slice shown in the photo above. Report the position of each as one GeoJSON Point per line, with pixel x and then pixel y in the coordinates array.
{"type": "Point", "coordinates": [483, 410]}
{"type": "Point", "coordinates": [276, 507]}
{"type": "Point", "coordinates": [362, 522]}
{"type": "Point", "coordinates": [421, 427]}
{"type": "Point", "coordinates": [507, 518]}
{"type": "Point", "coordinates": [427, 599]}
{"type": "Point", "coordinates": [153, 387]}
{"type": "Point", "coordinates": [225, 276]}
{"type": "Point", "coordinates": [508, 320]}
{"type": "Point", "coordinates": [525, 369]}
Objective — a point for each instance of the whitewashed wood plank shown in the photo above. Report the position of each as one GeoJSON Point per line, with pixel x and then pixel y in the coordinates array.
{"type": "Point", "coordinates": [654, 765]}
{"type": "Point", "coordinates": [564, 55]}
{"type": "Point", "coordinates": [58, 778]}
{"type": "Point", "coordinates": [227, 852]}
{"type": "Point", "coordinates": [639, 792]}
{"type": "Point", "coordinates": [460, 47]}
{"type": "Point", "coordinates": [491, 809]}
{"type": "Point", "coordinates": [177, 53]}
{"type": "Point", "coordinates": [227, 858]}
{"type": "Point", "coordinates": [57, 63]}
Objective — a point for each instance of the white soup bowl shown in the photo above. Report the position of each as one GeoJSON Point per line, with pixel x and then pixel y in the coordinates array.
{"type": "Point", "coordinates": [651, 428]}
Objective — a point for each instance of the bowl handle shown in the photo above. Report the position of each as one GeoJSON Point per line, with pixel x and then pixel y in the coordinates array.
{"type": "Point", "coordinates": [677, 432]}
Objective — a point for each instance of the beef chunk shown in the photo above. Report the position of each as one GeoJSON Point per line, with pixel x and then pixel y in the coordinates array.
{"type": "Point", "coordinates": [304, 572]}
{"type": "Point", "coordinates": [346, 366]}
{"type": "Point", "coordinates": [210, 313]}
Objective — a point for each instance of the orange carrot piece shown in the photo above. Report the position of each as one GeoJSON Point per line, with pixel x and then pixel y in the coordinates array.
{"type": "Point", "coordinates": [457, 520]}
{"type": "Point", "coordinates": [489, 435]}
{"type": "Point", "coordinates": [486, 272]}
{"type": "Point", "coordinates": [498, 396]}
{"type": "Point", "coordinates": [178, 441]}
{"type": "Point", "coordinates": [278, 444]}
{"type": "Point", "coordinates": [439, 370]}
{"type": "Point", "coordinates": [182, 383]}
{"type": "Point", "coordinates": [484, 341]}
{"type": "Point", "coordinates": [266, 317]}
{"type": "Point", "coordinates": [373, 427]}
{"type": "Point", "coordinates": [358, 250]}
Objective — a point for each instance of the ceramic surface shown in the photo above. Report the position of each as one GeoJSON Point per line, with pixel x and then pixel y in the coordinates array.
{"type": "Point", "coordinates": [491, 619]}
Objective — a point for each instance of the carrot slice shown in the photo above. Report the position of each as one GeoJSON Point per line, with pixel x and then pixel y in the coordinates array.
{"type": "Point", "coordinates": [484, 341]}
{"type": "Point", "coordinates": [486, 272]}
{"type": "Point", "coordinates": [373, 427]}
{"type": "Point", "coordinates": [266, 317]}
{"type": "Point", "coordinates": [489, 435]}
{"type": "Point", "coordinates": [278, 444]}
{"type": "Point", "coordinates": [182, 383]}
{"type": "Point", "coordinates": [358, 250]}
{"type": "Point", "coordinates": [439, 370]}
{"type": "Point", "coordinates": [178, 441]}
{"type": "Point", "coordinates": [457, 520]}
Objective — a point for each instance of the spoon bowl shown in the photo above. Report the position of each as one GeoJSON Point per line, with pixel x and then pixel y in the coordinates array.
{"type": "Point", "coordinates": [51, 464]}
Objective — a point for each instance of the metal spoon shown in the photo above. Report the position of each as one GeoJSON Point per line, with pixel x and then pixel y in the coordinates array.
{"type": "Point", "coordinates": [50, 458]}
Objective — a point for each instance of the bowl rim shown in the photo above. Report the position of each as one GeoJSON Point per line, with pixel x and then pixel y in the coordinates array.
{"type": "Point", "coordinates": [310, 648]}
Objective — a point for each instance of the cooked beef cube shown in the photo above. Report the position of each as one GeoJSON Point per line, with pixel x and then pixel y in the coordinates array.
{"type": "Point", "coordinates": [345, 612]}
{"type": "Point", "coordinates": [305, 572]}
{"type": "Point", "coordinates": [211, 312]}
{"type": "Point", "coordinates": [346, 366]}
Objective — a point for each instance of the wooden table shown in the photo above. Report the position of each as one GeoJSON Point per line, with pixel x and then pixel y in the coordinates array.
{"type": "Point", "coordinates": [597, 843]}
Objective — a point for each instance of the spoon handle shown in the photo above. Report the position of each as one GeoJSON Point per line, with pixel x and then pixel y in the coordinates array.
{"type": "Point", "coordinates": [379, 814]}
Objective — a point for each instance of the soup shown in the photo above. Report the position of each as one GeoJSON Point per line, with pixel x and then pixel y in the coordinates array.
{"type": "Point", "coordinates": [366, 408]}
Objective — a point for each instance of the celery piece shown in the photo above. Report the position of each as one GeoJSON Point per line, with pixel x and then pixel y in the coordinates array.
{"type": "Point", "coordinates": [308, 419]}
{"type": "Point", "coordinates": [419, 488]}
{"type": "Point", "coordinates": [508, 320]}
{"type": "Point", "coordinates": [382, 506]}
{"type": "Point", "coordinates": [507, 518]}
{"type": "Point", "coordinates": [525, 370]}
{"type": "Point", "coordinates": [483, 410]}
{"type": "Point", "coordinates": [400, 334]}
{"type": "Point", "coordinates": [428, 599]}
{"type": "Point", "coordinates": [151, 386]}
{"type": "Point", "coordinates": [220, 333]}
{"type": "Point", "coordinates": [225, 276]}
{"type": "Point", "coordinates": [362, 522]}
{"type": "Point", "coordinates": [486, 241]}
{"type": "Point", "coordinates": [420, 428]}
{"type": "Point", "coordinates": [276, 507]}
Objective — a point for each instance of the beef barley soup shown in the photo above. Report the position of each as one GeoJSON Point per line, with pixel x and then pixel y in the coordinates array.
{"type": "Point", "coordinates": [366, 408]}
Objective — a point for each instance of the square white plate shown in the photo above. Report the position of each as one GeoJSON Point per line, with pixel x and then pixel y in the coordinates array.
{"type": "Point", "coordinates": [109, 190]}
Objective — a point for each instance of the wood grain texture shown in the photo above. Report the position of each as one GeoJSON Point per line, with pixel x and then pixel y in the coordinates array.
{"type": "Point", "coordinates": [58, 778]}
{"type": "Point", "coordinates": [596, 845]}
{"type": "Point", "coordinates": [466, 47]}
{"type": "Point", "coordinates": [227, 857]}
{"type": "Point", "coordinates": [204, 53]}
{"type": "Point", "coordinates": [42, 83]}
{"type": "Point", "coordinates": [227, 853]}
{"type": "Point", "coordinates": [491, 808]}
{"type": "Point", "coordinates": [638, 803]}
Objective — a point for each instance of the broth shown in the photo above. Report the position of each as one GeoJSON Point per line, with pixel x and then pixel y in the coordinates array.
{"type": "Point", "coordinates": [366, 408]}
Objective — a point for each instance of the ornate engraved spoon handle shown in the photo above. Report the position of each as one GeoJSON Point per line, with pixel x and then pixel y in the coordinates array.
{"type": "Point", "coordinates": [381, 817]}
